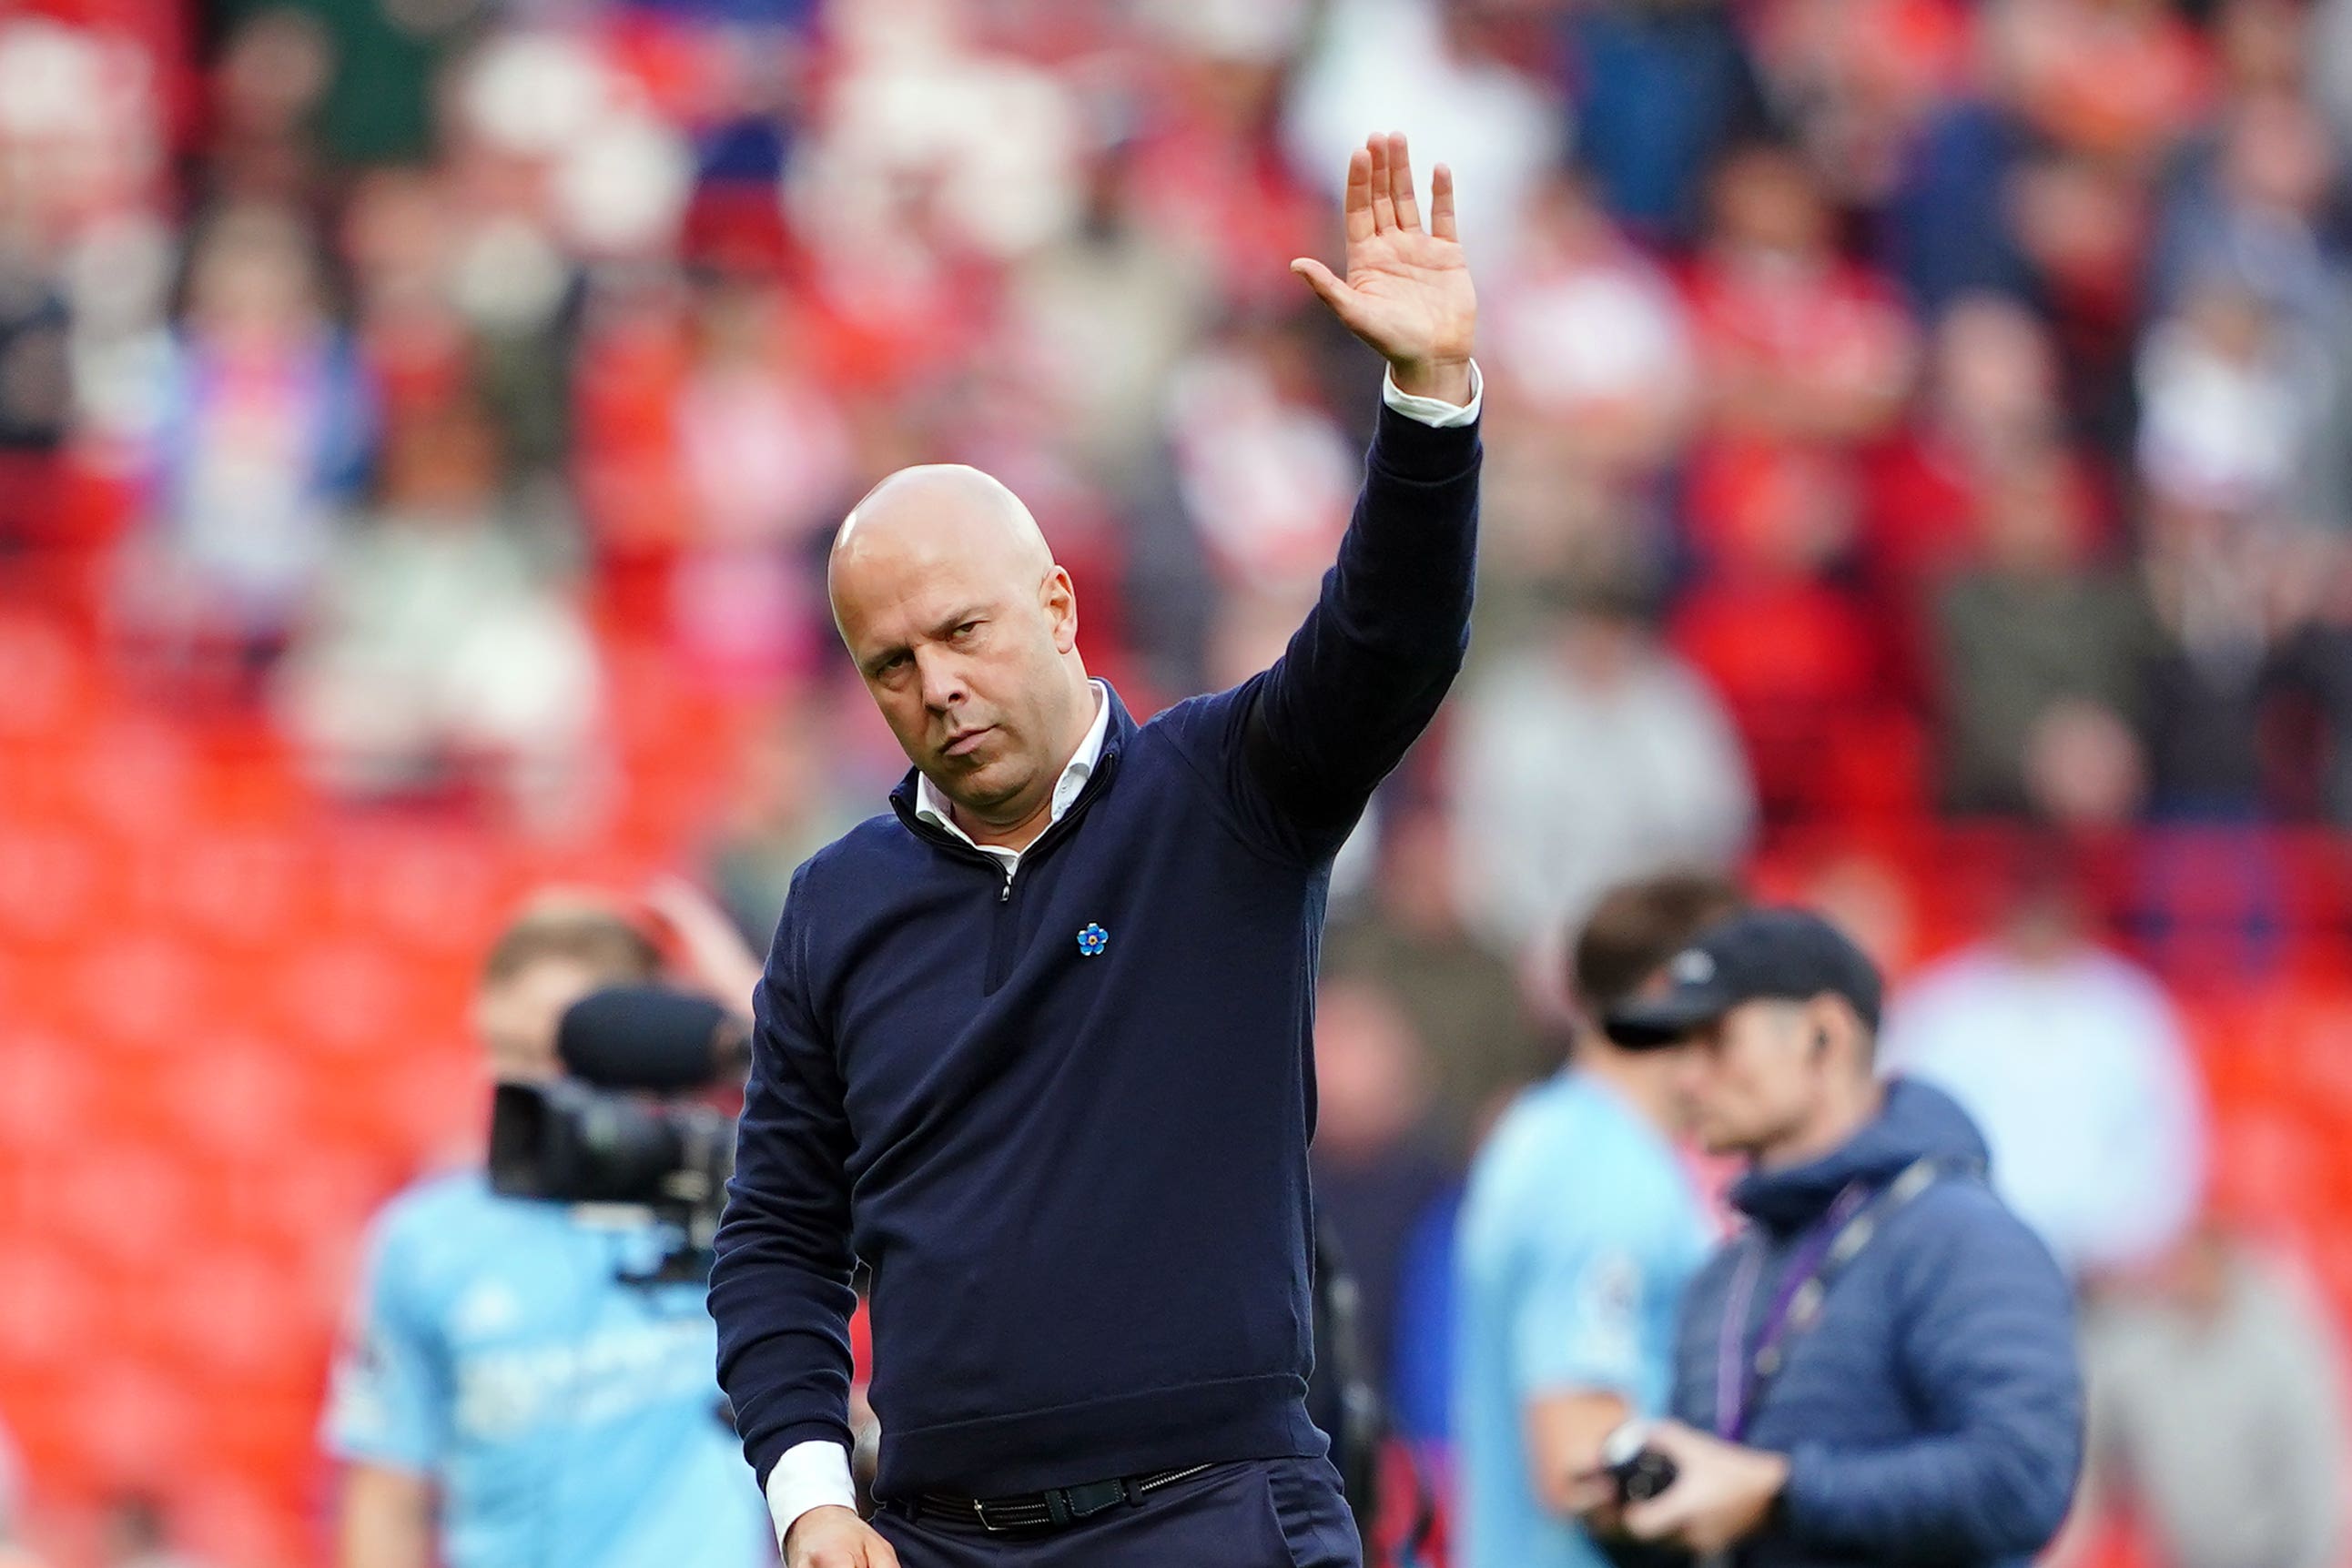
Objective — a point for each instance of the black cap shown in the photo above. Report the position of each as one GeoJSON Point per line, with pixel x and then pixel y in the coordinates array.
{"type": "Point", "coordinates": [1786, 953]}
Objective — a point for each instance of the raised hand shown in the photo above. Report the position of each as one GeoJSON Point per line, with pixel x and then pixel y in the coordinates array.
{"type": "Point", "coordinates": [1407, 292]}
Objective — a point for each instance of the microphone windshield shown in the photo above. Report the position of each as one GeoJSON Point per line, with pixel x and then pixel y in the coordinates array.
{"type": "Point", "coordinates": [650, 1037]}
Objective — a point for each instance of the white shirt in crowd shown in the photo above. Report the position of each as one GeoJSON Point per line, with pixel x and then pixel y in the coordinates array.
{"type": "Point", "coordinates": [2076, 1072]}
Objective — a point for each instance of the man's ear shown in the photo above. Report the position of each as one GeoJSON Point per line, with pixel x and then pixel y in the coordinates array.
{"type": "Point", "coordinates": [1059, 599]}
{"type": "Point", "coordinates": [1829, 1019]}
{"type": "Point", "coordinates": [1820, 1024]}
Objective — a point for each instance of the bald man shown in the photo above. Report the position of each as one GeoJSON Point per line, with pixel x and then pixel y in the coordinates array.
{"type": "Point", "coordinates": [1034, 1046]}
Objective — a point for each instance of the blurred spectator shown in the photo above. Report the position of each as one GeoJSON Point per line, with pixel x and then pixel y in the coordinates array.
{"type": "Point", "coordinates": [764, 457]}
{"type": "Point", "coordinates": [2032, 183]}
{"type": "Point", "coordinates": [376, 108]}
{"type": "Point", "coordinates": [2218, 1411]}
{"type": "Point", "coordinates": [440, 651]}
{"type": "Point", "coordinates": [1440, 72]}
{"type": "Point", "coordinates": [1868, 897]}
{"type": "Point", "coordinates": [263, 433]}
{"type": "Point", "coordinates": [2328, 61]}
{"type": "Point", "coordinates": [1265, 472]}
{"type": "Point", "coordinates": [1988, 401]}
{"type": "Point", "coordinates": [1408, 931]}
{"type": "Point", "coordinates": [1376, 1178]}
{"type": "Point", "coordinates": [2045, 661]}
{"type": "Point", "coordinates": [1798, 345]}
{"type": "Point", "coordinates": [1661, 88]}
{"type": "Point", "coordinates": [1578, 1230]}
{"type": "Point", "coordinates": [138, 1534]}
{"type": "Point", "coordinates": [1860, 81]}
{"type": "Point", "coordinates": [1593, 337]}
{"type": "Point", "coordinates": [1108, 311]}
{"type": "Point", "coordinates": [2229, 394]}
{"type": "Point", "coordinates": [2072, 1062]}
{"type": "Point", "coordinates": [1593, 350]}
{"type": "Point", "coordinates": [36, 386]}
{"type": "Point", "coordinates": [2230, 591]}
{"type": "Point", "coordinates": [1949, 228]}
{"type": "Point", "coordinates": [1804, 357]}
{"type": "Point", "coordinates": [2315, 665]}
{"type": "Point", "coordinates": [37, 382]}
{"type": "Point", "coordinates": [274, 67]}
{"type": "Point", "coordinates": [2121, 82]}
{"type": "Point", "coordinates": [765, 450]}
{"type": "Point", "coordinates": [2251, 201]}
{"type": "Point", "coordinates": [1783, 638]}
{"type": "Point", "coordinates": [896, 194]}
{"type": "Point", "coordinates": [1586, 757]}
{"type": "Point", "coordinates": [789, 799]}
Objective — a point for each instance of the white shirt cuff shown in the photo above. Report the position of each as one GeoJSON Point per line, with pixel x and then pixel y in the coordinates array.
{"type": "Point", "coordinates": [814, 1474]}
{"type": "Point", "coordinates": [1435, 412]}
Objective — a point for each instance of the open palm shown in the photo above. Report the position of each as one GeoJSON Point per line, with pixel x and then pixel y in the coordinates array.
{"type": "Point", "coordinates": [1407, 292]}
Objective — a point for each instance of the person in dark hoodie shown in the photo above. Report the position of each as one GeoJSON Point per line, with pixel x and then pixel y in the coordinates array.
{"type": "Point", "coordinates": [1880, 1367]}
{"type": "Point", "coordinates": [1035, 1045]}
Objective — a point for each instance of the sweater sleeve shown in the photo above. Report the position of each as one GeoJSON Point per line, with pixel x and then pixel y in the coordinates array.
{"type": "Point", "coordinates": [1299, 749]}
{"type": "Point", "coordinates": [779, 1287]}
{"type": "Point", "coordinates": [1987, 1345]}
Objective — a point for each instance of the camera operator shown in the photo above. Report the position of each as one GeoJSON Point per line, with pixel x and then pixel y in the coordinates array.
{"type": "Point", "coordinates": [527, 1381]}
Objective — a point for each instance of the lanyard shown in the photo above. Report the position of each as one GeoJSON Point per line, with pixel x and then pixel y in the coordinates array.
{"type": "Point", "coordinates": [1852, 1219]}
{"type": "Point", "coordinates": [1735, 1373]}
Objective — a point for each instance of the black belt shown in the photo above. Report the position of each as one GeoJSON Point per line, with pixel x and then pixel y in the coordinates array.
{"type": "Point", "coordinates": [1051, 1509]}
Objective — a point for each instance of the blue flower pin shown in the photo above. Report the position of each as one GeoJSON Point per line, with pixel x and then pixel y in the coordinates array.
{"type": "Point", "coordinates": [1092, 941]}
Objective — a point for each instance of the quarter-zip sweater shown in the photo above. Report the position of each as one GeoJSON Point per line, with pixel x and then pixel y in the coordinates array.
{"type": "Point", "coordinates": [1064, 1117]}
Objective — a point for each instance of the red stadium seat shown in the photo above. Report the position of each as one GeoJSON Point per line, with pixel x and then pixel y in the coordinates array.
{"type": "Point", "coordinates": [53, 1301]}
{"type": "Point", "coordinates": [344, 998]}
{"type": "Point", "coordinates": [246, 889]}
{"type": "Point", "coordinates": [48, 680]}
{"type": "Point", "coordinates": [236, 1324]}
{"type": "Point", "coordinates": [136, 1419]}
{"type": "Point", "coordinates": [55, 885]}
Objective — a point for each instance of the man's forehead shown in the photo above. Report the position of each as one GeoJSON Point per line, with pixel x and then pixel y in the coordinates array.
{"type": "Point", "coordinates": [912, 594]}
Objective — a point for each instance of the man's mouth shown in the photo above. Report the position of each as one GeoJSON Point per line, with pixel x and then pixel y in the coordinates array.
{"type": "Point", "coordinates": [963, 742]}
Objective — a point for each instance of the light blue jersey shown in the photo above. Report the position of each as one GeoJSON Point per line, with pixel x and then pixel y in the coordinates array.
{"type": "Point", "coordinates": [1578, 1234]}
{"type": "Point", "coordinates": [566, 1417]}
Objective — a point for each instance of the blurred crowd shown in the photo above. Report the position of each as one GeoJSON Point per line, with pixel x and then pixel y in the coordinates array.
{"type": "Point", "coordinates": [1899, 410]}
{"type": "Point", "coordinates": [1901, 404]}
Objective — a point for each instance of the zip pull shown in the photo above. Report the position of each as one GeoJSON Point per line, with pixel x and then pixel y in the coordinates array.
{"type": "Point", "coordinates": [1004, 893]}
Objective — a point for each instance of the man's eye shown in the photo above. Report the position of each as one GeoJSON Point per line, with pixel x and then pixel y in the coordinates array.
{"type": "Point", "coordinates": [967, 629]}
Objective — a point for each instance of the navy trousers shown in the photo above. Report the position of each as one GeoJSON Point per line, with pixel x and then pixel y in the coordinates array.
{"type": "Point", "coordinates": [1262, 1513]}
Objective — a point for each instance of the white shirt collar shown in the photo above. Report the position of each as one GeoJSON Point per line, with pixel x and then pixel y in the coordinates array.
{"type": "Point", "coordinates": [932, 807]}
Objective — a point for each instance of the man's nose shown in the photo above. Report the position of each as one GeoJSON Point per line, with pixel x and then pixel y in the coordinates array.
{"type": "Point", "coordinates": [943, 678]}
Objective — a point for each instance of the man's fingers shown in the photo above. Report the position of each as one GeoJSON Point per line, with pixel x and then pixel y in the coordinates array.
{"type": "Point", "coordinates": [1441, 204]}
{"type": "Point", "coordinates": [1401, 193]}
{"type": "Point", "coordinates": [1358, 205]}
{"type": "Point", "coordinates": [1321, 279]}
{"type": "Point", "coordinates": [1660, 1516]}
{"type": "Point", "coordinates": [880, 1553]}
{"type": "Point", "coordinates": [1384, 217]}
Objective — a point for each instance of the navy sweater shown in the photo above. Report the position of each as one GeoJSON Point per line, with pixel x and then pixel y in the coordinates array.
{"type": "Point", "coordinates": [1933, 1414]}
{"type": "Point", "coordinates": [1080, 1178]}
